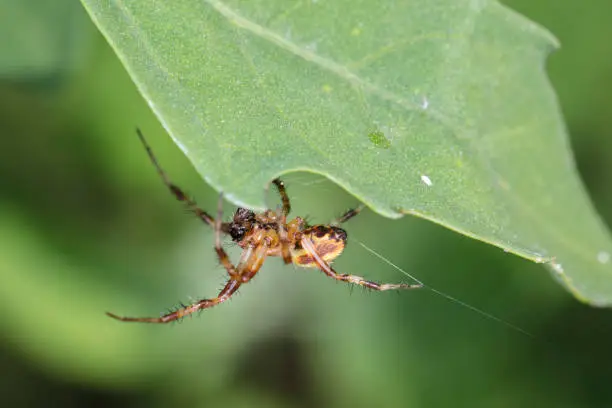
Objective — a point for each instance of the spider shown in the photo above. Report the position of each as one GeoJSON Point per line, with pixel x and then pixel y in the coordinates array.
{"type": "Point", "coordinates": [261, 235]}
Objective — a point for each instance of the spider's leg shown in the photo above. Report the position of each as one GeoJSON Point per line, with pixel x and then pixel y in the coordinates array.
{"type": "Point", "coordinates": [356, 280]}
{"type": "Point", "coordinates": [282, 229]}
{"type": "Point", "coordinates": [230, 288]}
{"type": "Point", "coordinates": [285, 244]}
{"type": "Point", "coordinates": [348, 215]}
{"type": "Point", "coordinates": [176, 190]}
{"type": "Point", "coordinates": [283, 194]}
{"type": "Point", "coordinates": [251, 261]}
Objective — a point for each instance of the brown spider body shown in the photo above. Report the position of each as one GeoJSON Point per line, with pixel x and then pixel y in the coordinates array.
{"type": "Point", "coordinates": [251, 229]}
{"type": "Point", "coordinates": [261, 235]}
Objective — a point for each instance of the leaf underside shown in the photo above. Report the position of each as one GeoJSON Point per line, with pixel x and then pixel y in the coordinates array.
{"type": "Point", "coordinates": [440, 109]}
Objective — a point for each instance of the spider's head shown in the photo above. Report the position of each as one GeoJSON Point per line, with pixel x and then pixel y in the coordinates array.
{"type": "Point", "coordinates": [241, 224]}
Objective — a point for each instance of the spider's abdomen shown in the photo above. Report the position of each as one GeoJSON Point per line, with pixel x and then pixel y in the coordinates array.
{"type": "Point", "coordinates": [329, 242]}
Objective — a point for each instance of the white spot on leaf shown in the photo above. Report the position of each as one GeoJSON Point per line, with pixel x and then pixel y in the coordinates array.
{"type": "Point", "coordinates": [425, 103]}
{"type": "Point", "coordinates": [425, 179]}
{"type": "Point", "coordinates": [603, 257]}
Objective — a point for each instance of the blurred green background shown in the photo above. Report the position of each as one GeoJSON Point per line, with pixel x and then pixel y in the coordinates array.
{"type": "Point", "coordinates": [86, 226]}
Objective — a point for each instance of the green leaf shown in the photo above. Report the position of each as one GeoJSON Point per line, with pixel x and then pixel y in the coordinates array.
{"type": "Point", "coordinates": [440, 109]}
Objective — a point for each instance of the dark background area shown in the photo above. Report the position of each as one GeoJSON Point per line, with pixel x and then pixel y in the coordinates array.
{"type": "Point", "coordinates": [86, 226]}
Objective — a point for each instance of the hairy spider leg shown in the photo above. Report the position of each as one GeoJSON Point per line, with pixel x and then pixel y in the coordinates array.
{"type": "Point", "coordinates": [282, 231]}
{"type": "Point", "coordinates": [251, 261]}
{"type": "Point", "coordinates": [230, 288]}
{"type": "Point", "coordinates": [283, 194]}
{"type": "Point", "coordinates": [356, 280]}
{"type": "Point", "coordinates": [348, 215]}
{"type": "Point", "coordinates": [176, 190]}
